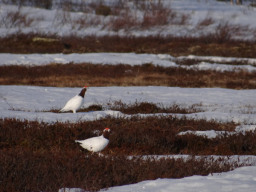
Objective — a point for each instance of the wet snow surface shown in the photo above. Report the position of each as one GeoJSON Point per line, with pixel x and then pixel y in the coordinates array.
{"type": "Point", "coordinates": [225, 105]}
{"type": "Point", "coordinates": [204, 62]}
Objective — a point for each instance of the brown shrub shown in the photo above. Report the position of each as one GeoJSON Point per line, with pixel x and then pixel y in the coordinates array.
{"type": "Point", "coordinates": [226, 32]}
{"type": "Point", "coordinates": [23, 170]}
{"type": "Point", "coordinates": [37, 156]}
{"type": "Point", "coordinates": [155, 18]}
{"type": "Point", "coordinates": [149, 108]}
{"type": "Point", "coordinates": [144, 108]}
{"type": "Point", "coordinates": [123, 75]}
{"type": "Point", "coordinates": [152, 135]}
{"type": "Point", "coordinates": [206, 21]}
{"type": "Point", "coordinates": [125, 21]}
{"type": "Point", "coordinates": [205, 45]}
{"type": "Point", "coordinates": [16, 18]}
{"type": "Point", "coordinates": [156, 14]}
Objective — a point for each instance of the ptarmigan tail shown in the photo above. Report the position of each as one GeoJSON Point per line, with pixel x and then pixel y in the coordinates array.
{"type": "Point", "coordinates": [78, 141]}
{"type": "Point", "coordinates": [62, 110]}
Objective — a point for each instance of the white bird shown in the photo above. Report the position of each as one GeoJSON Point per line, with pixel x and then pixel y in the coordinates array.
{"type": "Point", "coordinates": [96, 144]}
{"type": "Point", "coordinates": [75, 102]}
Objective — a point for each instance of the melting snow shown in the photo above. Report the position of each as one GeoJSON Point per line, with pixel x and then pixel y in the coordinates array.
{"type": "Point", "coordinates": [129, 59]}
{"type": "Point", "coordinates": [224, 105]}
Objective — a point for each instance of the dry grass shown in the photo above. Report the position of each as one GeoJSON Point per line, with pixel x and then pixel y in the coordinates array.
{"type": "Point", "coordinates": [149, 108]}
{"type": "Point", "coordinates": [212, 45]}
{"type": "Point", "coordinates": [143, 107]}
{"type": "Point", "coordinates": [126, 20]}
{"type": "Point", "coordinates": [16, 18]}
{"type": "Point", "coordinates": [206, 21]}
{"type": "Point", "coordinates": [72, 75]}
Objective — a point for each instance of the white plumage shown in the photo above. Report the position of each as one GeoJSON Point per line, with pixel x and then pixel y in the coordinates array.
{"type": "Point", "coordinates": [75, 102]}
{"type": "Point", "coordinates": [96, 144]}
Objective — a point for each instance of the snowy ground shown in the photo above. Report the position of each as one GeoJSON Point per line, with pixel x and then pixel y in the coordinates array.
{"type": "Point", "coordinates": [28, 102]}
{"type": "Point", "coordinates": [224, 105]}
{"type": "Point", "coordinates": [65, 23]}
{"type": "Point", "coordinates": [240, 180]}
{"type": "Point", "coordinates": [204, 62]}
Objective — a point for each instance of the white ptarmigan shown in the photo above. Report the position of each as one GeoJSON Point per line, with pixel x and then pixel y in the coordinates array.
{"type": "Point", "coordinates": [96, 144]}
{"type": "Point", "coordinates": [75, 102]}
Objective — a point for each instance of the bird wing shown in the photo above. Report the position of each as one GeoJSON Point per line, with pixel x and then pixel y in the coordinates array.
{"type": "Point", "coordinates": [74, 103]}
{"type": "Point", "coordinates": [94, 144]}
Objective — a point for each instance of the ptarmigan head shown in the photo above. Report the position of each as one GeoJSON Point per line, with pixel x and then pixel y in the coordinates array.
{"type": "Point", "coordinates": [83, 91]}
{"type": "Point", "coordinates": [106, 133]}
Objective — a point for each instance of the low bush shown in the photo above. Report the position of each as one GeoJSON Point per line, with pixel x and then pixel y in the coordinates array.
{"type": "Point", "coordinates": [37, 156]}
{"type": "Point", "coordinates": [149, 108]}
{"type": "Point", "coordinates": [72, 75]}
{"type": "Point", "coordinates": [16, 18]}
{"type": "Point", "coordinates": [144, 108]}
{"type": "Point", "coordinates": [23, 170]}
{"type": "Point", "coordinates": [125, 21]}
{"type": "Point", "coordinates": [151, 135]}
{"type": "Point", "coordinates": [177, 46]}
{"type": "Point", "coordinates": [206, 21]}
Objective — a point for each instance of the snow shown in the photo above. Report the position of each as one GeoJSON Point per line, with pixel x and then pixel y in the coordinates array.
{"type": "Point", "coordinates": [28, 102]}
{"type": "Point", "coordinates": [223, 105]}
{"type": "Point", "coordinates": [220, 59]}
{"type": "Point", "coordinates": [67, 23]}
{"type": "Point", "coordinates": [132, 59]}
{"type": "Point", "coordinates": [239, 180]}
{"type": "Point", "coordinates": [95, 58]}
{"type": "Point", "coordinates": [209, 134]}
{"type": "Point", "coordinates": [240, 160]}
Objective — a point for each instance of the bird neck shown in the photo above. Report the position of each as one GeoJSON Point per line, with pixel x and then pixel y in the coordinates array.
{"type": "Point", "coordinates": [106, 134]}
{"type": "Point", "coordinates": [82, 92]}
